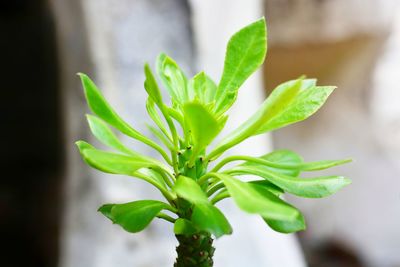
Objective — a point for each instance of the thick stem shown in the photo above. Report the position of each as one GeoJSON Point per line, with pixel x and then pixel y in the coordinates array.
{"type": "Point", "coordinates": [195, 250]}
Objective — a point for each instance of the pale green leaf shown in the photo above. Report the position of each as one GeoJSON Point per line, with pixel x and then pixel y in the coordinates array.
{"type": "Point", "coordinates": [307, 187]}
{"type": "Point", "coordinates": [101, 108]}
{"type": "Point", "coordinates": [106, 136]}
{"type": "Point", "coordinates": [112, 162]}
{"type": "Point", "coordinates": [151, 86]}
{"type": "Point", "coordinates": [152, 111]}
{"type": "Point", "coordinates": [245, 53]}
{"type": "Point", "coordinates": [204, 88]}
{"type": "Point", "coordinates": [290, 102]}
{"type": "Point", "coordinates": [203, 125]}
{"type": "Point", "coordinates": [133, 216]}
{"type": "Point", "coordinates": [190, 190]}
{"type": "Point", "coordinates": [323, 164]}
{"type": "Point", "coordinates": [306, 103]}
{"type": "Point", "coordinates": [253, 201]}
{"type": "Point", "coordinates": [173, 78]}
{"type": "Point", "coordinates": [284, 157]}
{"type": "Point", "coordinates": [209, 218]}
{"type": "Point", "coordinates": [287, 226]}
{"type": "Point", "coordinates": [184, 227]}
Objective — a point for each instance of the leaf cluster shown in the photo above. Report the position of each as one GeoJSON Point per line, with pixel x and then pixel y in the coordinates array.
{"type": "Point", "coordinates": [184, 130]}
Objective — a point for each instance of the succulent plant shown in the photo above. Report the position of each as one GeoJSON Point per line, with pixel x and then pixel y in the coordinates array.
{"type": "Point", "coordinates": [192, 177]}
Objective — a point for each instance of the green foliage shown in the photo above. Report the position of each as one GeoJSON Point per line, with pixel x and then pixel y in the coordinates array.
{"type": "Point", "coordinates": [187, 127]}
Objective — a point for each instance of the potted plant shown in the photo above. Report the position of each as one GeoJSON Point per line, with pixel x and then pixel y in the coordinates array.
{"type": "Point", "coordinates": [193, 178]}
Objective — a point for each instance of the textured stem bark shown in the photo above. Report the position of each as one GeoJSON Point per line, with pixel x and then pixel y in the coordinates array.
{"type": "Point", "coordinates": [195, 250]}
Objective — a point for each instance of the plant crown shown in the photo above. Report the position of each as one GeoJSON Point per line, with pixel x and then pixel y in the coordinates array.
{"type": "Point", "coordinates": [184, 130]}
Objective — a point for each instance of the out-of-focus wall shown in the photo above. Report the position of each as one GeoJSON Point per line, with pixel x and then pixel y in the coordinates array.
{"type": "Point", "coordinates": [113, 41]}
{"type": "Point", "coordinates": [354, 45]}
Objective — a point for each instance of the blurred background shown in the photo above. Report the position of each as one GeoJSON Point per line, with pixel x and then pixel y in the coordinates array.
{"type": "Point", "coordinates": [48, 198]}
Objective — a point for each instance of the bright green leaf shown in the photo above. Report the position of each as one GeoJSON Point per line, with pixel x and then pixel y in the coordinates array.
{"type": "Point", "coordinates": [203, 125]}
{"type": "Point", "coordinates": [262, 185]}
{"type": "Point", "coordinates": [245, 53]}
{"type": "Point", "coordinates": [133, 216]}
{"type": "Point", "coordinates": [152, 111]}
{"type": "Point", "coordinates": [151, 86]}
{"type": "Point", "coordinates": [308, 187]}
{"type": "Point", "coordinates": [253, 201]}
{"type": "Point", "coordinates": [184, 227]}
{"type": "Point", "coordinates": [101, 108]}
{"type": "Point", "coordinates": [190, 190]}
{"type": "Point", "coordinates": [323, 164]}
{"type": "Point", "coordinates": [112, 162]}
{"type": "Point", "coordinates": [203, 87]}
{"type": "Point", "coordinates": [173, 78]}
{"type": "Point", "coordinates": [287, 226]}
{"type": "Point", "coordinates": [209, 218]}
{"type": "Point", "coordinates": [306, 103]}
{"type": "Point", "coordinates": [105, 135]}
{"type": "Point", "coordinates": [282, 156]}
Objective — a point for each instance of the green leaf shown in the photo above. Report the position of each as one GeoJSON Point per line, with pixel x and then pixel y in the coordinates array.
{"type": "Point", "coordinates": [154, 176]}
{"type": "Point", "coordinates": [309, 187]}
{"type": "Point", "coordinates": [282, 156]}
{"type": "Point", "coordinates": [151, 110]}
{"type": "Point", "coordinates": [133, 216]}
{"type": "Point", "coordinates": [173, 78]}
{"type": "Point", "coordinates": [104, 134]}
{"type": "Point", "coordinates": [209, 218]}
{"type": "Point", "coordinates": [252, 200]}
{"type": "Point", "coordinates": [184, 227]}
{"type": "Point", "coordinates": [262, 185]}
{"type": "Point", "coordinates": [190, 190]}
{"type": "Point", "coordinates": [283, 226]}
{"type": "Point", "coordinates": [306, 103]}
{"type": "Point", "coordinates": [112, 162]}
{"type": "Point", "coordinates": [204, 88]}
{"type": "Point", "coordinates": [287, 226]}
{"type": "Point", "coordinates": [323, 164]}
{"type": "Point", "coordinates": [290, 102]}
{"type": "Point", "coordinates": [101, 108]}
{"type": "Point", "coordinates": [161, 137]}
{"type": "Point", "coordinates": [203, 125]}
{"type": "Point", "coordinates": [151, 86]}
{"type": "Point", "coordinates": [245, 53]}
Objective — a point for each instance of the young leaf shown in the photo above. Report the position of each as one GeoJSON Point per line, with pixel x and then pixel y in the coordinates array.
{"type": "Point", "coordinates": [309, 187]}
{"type": "Point", "coordinates": [282, 156]}
{"type": "Point", "coordinates": [262, 185]}
{"type": "Point", "coordinates": [306, 103]}
{"type": "Point", "coordinates": [209, 218]}
{"type": "Point", "coordinates": [111, 162]}
{"type": "Point", "coordinates": [204, 88]}
{"type": "Point", "coordinates": [173, 78]}
{"type": "Point", "coordinates": [203, 124]}
{"type": "Point", "coordinates": [283, 226]}
{"type": "Point", "coordinates": [101, 108]}
{"type": "Point", "coordinates": [133, 216]}
{"type": "Point", "coordinates": [190, 190]}
{"type": "Point", "coordinates": [151, 86]}
{"type": "Point", "coordinates": [290, 102]}
{"type": "Point", "coordinates": [104, 134]}
{"type": "Point", "coordinates": [323, 164]}
{"type": "Point", "coordinates": [251, 200]}
{"type": "Point", "coordinates": [151, 110]}
{"type": "Point", "coordinates": [287, 226]}
{"type": "Point", "coordinates": [245, 53]}
{"type": "Point", "coordinates": [184, 227]}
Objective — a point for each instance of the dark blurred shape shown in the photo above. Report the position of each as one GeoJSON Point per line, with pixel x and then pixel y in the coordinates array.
{"type": "Point", "coordinates": [31, 135]}
{"type": "Point", "coordinates": [331, 253]}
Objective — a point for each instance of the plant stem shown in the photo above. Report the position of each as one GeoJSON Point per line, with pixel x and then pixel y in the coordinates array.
{"type": "Point", "coordinates": [195, 250]}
